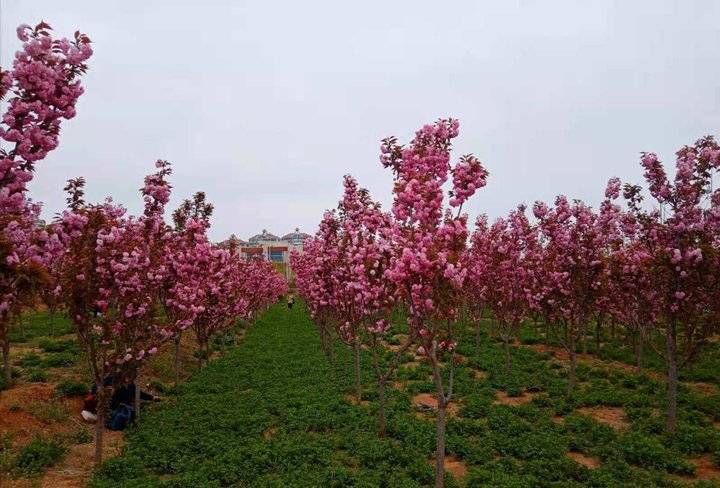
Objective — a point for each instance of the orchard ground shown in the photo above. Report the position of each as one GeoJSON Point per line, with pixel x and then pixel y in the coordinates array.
{"type": "Point", "coordinates": [273, 411]}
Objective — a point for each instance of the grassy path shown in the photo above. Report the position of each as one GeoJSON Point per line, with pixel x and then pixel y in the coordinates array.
{"type": "Point", "coordinates": [271, 412]}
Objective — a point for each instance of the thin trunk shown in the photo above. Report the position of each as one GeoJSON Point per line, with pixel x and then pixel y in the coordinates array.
{"type": "Point", "coordinates": [597, 335]}
{"type": "Point", "coordinates": [201, 354]}
{"type": "Point", "coordinates": [440, 446]}
{"type": "Point", "coordinates": [177, 361]}
{"type": "Point", "coordinates": [381, 407]}
{"type": "Point", "coordinates": [102, 401]}
{"type": "Point", "coordinates": [508, 355]}
{"type": "Point", "coordinates": [573, 363]}
{"type": "Point", "coordinates": [323, 342]}
{"type": "Point", "coordinates": [672, 377]}
{"type": "Point", "coordinates": [137, 397]}
{"type": "Point", "coordinates": [583, 338]}
{"type": "Point", "coordinates": [440, 424]}
{"type": "Point", "coordinates": [356, 358]}
{"type": "Point", "coordinates": [99, 429]}
{"type": "Point", "coordinates": [640, 350]}
{"type": "Point", "coordinates": [331, 346]}
{"type": "Point", "coordinates": [7, 368]}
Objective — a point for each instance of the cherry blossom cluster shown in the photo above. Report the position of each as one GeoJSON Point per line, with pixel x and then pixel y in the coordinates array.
{"type": "Point", "coordinates": [42, 89]}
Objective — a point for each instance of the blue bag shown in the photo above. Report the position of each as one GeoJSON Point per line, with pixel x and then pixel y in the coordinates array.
{"type": "Point", "coordinates": [120, 417]}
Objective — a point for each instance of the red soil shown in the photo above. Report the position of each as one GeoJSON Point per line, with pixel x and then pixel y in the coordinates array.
{"type": "Point", "coordinates": [612, 416]}
{"type": "Point", "coordinates": [429, 401]}
{"type": "Point", "coordinates": [502, 398]}
{"type": "Point", "coordinates": [454, 466]}
{"type": "Point", "coordinates": [584, 460]}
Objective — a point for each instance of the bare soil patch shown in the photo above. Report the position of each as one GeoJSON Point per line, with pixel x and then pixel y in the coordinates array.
{"type": "Point", "coordinates": [502, 398]}
{"type": "Point", "coordinates": [411, 365]}
{"type": "Point", "coordinates": [352, 400]}
{"type": "Point", "coordinates": [705, 469]}
{"type": "Point", "coordinates": [561, 354]}
{"type": "Point", "coordinates": [704, 389]}
{"type": "Point", "coordinates": [17, 419]}
{"type": "Point", "coordinates": [454, 466]}
{"type": "Point", "coordinates": [612, 416]}
{"type": "Point", "coordinates": [590, 462]}
{"type": "Point", "coordinates": [459, 359]}
{"type": "Point", "coordinates": [270, 433]}
{"type": "Point", "coordinates": [76, 468]}
{"type": "Point", "coordinates": [427, 402]}
{"type": "Point", "coordinates": [479, 374]}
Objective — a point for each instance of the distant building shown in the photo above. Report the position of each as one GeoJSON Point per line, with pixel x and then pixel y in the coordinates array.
{"type": "Point", "coordinates": [296, 238]}
{"type": "Point", "coordinates": [267, 245]}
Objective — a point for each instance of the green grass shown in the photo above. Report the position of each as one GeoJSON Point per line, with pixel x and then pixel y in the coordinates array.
{"type": "Point", "coordinates": [38, 455]}
{"type": "Point", "coordinates": [278, 381]}
{"type": "Point", "coordinates": [40, 324]}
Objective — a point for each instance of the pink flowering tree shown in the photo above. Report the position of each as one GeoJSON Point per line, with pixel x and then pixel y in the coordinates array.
{"type": "Point", "coordinates": [219, 301]}
{"type": "Point", "coordinates": [313, 270]}
{"type": "Point", "coordinates": [331, 286]}
{"type": "Point", "coordinates": [183, 269]}
{"type": "Point", "coordinates": [475, 260]}
{"type": "Point", "coordinates": [109, 279]}
{"type": "Point", "coordinates": [367, 299]}
{"type": "Point", "coordinates": [678, 254]}
{"type": "Point", "coordinates": [505, 257]}
{"type": "Point", "coordinates": [428, 240]}
{"type": "Point", "coordinates": [575, 267]}
{"type": "Point", "coordinates": [42, 87]}
{"type": "Point", "coordinates": [228, 288]}
{"type": "Point", "coordinates": [260, 284]}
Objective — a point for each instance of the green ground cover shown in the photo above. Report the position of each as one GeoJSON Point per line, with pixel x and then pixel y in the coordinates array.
{"type": "Point", "coordinates": [272, 412]}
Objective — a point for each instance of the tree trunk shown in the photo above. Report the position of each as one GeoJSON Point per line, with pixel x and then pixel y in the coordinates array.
{"type": "Point", "coordinates": [331, 346]}
{"type": "Point", "coordinates": [597, 336]}
{"type": "Point", "coordinates": [508, 355]}
{"type": "Point", "coordinates": [573, 363]}
{"type": "Point", "coordinates": [137, 397]}
{"type": "Point", "coordinates": [639, 350]}
{"type": "Point", "coordinates": [99, 429]}
{"type": "Point", "coordinates": [7, 368]}
{"type": "Point", "coordinates": [672, 377]}
{"type": "Point", "coordinates": [440, 424]}
{"type": "Point", "coordinates": [356, 358]}
{"type": "Point", "coordinates": [440, 444]}
{"type": "Point", "coordinates": [177, 361]}
{"type": "Point", "coordinates": [102, 401]}
{"type": "Point", "coordinates": [381, 407]}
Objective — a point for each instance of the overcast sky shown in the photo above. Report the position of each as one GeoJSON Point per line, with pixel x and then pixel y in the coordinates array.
{"type": "Point", "coordinates": [265, 105]}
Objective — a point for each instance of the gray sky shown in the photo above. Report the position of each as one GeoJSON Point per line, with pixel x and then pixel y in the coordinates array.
{"type": "Point", "coordinates": [265, 105]}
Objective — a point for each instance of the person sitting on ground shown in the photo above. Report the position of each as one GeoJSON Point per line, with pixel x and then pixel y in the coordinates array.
{"type": "Point", "coordinates": [291, 300]}
{"type": "Point", "coordinates": [121, 409]}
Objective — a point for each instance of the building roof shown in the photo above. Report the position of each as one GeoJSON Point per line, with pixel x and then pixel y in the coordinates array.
{"type": "Point", "coordinates": [264, 236]}
{"type": "Point", "coordinates": [296, 236]}
{"type": "Point", "coordinates": [233, 237]}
